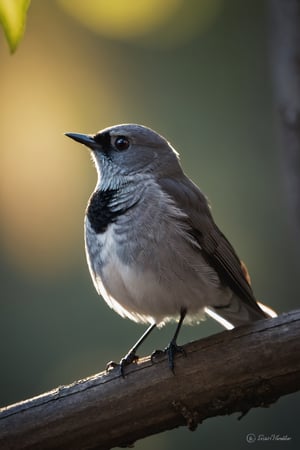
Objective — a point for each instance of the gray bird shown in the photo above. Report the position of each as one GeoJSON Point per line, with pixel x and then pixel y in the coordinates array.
{"type": "Point", "coordinates": [153, 249]}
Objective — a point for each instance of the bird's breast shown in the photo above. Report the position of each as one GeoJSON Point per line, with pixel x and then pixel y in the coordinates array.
{"type": "Point", "coordinates": [146, 272]}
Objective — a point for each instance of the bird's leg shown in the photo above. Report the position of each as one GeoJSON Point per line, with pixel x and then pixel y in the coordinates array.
{"type": "Point", "coordinates": [172, 348]}
{"type": "Point", "coordinates": [131, 356]}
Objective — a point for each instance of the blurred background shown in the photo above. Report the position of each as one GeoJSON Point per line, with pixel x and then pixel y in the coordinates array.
{"type": "Point", "coordinates": [199, 73]}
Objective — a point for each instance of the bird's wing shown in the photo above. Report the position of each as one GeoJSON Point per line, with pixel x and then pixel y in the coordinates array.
{"type": "Point", "coordinates": [216, 249]}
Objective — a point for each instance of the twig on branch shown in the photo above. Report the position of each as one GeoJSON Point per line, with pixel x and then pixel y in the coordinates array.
{"type": "Point", "coordinates": [229, 372]}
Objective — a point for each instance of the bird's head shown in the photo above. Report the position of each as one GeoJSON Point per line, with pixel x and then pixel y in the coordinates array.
{"type": "Point", "coordinates": [126, 150]}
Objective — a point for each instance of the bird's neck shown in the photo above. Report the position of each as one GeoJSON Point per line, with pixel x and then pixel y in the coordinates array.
{"type": "Point", "coordinates": [112, 183]}
{"type": "Point", "coordinates": [109, 177]}
{"type": "Point", "coordinates": [108, 203]}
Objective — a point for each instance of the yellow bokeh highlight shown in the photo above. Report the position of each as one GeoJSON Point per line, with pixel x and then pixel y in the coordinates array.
{"type": "Point", "coordinates": [36, 205]}
{"type": "Point", "coordinates": [157, 22]}
{"type": "Point", "coordinates": [119, 18]}
{"type": "Point", "coordinates": [45, 180]}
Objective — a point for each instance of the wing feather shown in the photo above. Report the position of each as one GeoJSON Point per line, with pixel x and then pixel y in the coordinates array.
{"type": "Point", "coordinates": [215, 247]}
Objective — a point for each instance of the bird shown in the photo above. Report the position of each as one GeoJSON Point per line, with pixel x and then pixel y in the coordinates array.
{"type": "Point", "coordinates": [154, 251]}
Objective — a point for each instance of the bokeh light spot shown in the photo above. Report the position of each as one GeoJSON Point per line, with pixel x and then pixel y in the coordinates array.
{"type": "Point", "coordinates": [117, 18]}
{"type": "Point", "coordinates": [162, 23]}
{"type": "Point", "coordinates": [43, 185]}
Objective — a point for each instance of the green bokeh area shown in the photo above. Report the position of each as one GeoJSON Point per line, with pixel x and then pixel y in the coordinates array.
{"type": "Point", "coordinates": [211, 96]}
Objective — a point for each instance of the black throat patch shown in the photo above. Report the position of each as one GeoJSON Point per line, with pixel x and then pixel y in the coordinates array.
{"type": "Point", "coordinates": [104, 140]}
{"type": "Point", "coordinates": [99, 210]}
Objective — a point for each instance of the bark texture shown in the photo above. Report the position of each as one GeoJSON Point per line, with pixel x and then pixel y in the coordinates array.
{"type": "Point", "coordinates": [233, 371]}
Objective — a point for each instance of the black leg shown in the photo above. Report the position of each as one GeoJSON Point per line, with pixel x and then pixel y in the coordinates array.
{"type": "Point", "coordinates": [131, 356]}
{"type": "Point", "coordinates": [173, 348]}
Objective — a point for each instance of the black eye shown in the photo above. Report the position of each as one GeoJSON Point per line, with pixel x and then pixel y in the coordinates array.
{"type": "Point", "coordinates": [122, 143]}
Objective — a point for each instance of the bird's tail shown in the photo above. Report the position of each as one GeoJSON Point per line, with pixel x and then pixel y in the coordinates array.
{"type": "Point", "coordinates": [267, 310]}
{"type": "Point", "coordinates": [239, 313]}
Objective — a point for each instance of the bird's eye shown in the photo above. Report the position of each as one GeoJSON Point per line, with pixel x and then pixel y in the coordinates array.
{"type": "Point", "coordinates": [122, 143]}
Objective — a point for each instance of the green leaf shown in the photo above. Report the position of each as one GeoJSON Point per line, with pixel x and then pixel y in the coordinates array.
{"type": "Point", "coordinates": [12, 19]}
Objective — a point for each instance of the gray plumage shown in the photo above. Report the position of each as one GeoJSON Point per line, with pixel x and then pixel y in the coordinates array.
{"type": "Point", "coordinates": [152, 246]}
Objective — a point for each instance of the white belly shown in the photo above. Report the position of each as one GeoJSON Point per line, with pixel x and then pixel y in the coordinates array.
{"type": "Point", "coordinates": [152, 292]}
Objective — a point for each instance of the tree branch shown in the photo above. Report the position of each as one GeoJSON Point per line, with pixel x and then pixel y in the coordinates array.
{"type": "Point", "coordinates": [232, 371]}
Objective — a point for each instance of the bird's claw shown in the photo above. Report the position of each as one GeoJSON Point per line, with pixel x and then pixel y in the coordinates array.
{"type": "Point", "coordinates": [111, 365]}
{"type": "Point", "coordinates": [156, 355]}
{"type": "Point", "coordinates": [171, 351]}
{"type": "Point", "coordinates": [128, 359]}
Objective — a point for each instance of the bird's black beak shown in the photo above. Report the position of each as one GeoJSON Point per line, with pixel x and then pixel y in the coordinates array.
{"type": "Point", "coordinates": [85, 139]}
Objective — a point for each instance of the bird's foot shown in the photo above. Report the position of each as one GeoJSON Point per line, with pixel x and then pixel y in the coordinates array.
{"type": "Point", "coordinates": [128, 359]}
{"type": "Point", "coordinates": [171, 351]}
{"type": "Point", "coordinates": [156, 354]}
